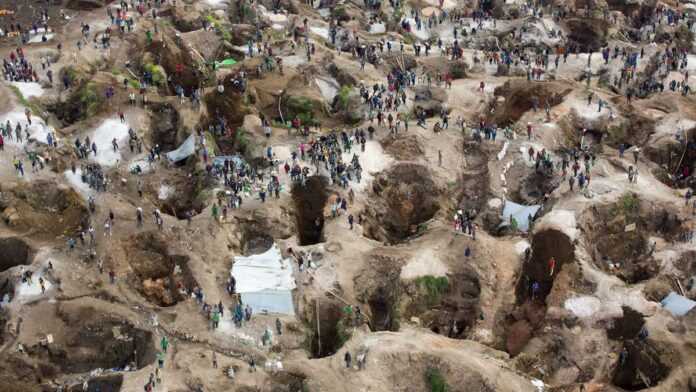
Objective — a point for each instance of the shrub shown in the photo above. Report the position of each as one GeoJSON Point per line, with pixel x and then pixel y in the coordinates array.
{"type": "Point", "coordinates": [434, 287]}
{"type": "Point", "coordinates": [436, 382]}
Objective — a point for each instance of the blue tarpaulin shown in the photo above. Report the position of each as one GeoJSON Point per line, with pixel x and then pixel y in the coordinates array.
{"type": "Point", "coordinates": [677, 305]}
{"type": "Point", "coordinates": [520, 213]}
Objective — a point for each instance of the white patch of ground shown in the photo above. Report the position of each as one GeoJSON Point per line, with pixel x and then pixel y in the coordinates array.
{"type": "Point", "coordinates": [103, 135]}
{"type": "Point", "coordinates": [421, 34]}
{"type": "Point", "coordinates": [29, 89]}
{"type": "Point", "coordinates": [39, 38]}
{"type": "Point", "coordinates": [425, 262]}
{"type": "Point", "coordinates": [30, 289]}
{"type": "Point", "coordinates": [294, 61]}
{"type": "Point", "coordinates": [323, 32]}
{"type": "Point", "coordinates": [373, 161]}
{"type": "Point", "coordinates": [378, 28]}
{"type": "Point", "coordinates": [75, 181]}
{"type": "Point", "coordinates": [562, 220]}
{"type": "Point", "coordinates": [584, 306]}
{"type": "Point", "coordinates": [521, 246]}
{"type": "Point", "coordinates": [328, 87]}
{"type": "Point", "coordinates": [165, 191]}
{"type": "Point", "coordinates": [38, 130]}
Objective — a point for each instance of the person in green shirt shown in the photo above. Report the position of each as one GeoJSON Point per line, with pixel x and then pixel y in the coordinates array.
{"type": "Point", "coordinates": [164, 343]}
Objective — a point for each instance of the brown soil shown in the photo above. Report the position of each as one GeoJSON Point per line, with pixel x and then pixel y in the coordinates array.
{"type": "Point", "coordinates": [378, 286]}
{"type": "Point", "coordinates": [403, 148]}
{"type": "Point", "coordinates": [519, 98]}
{"type": "Point", "coordinates": [628, 251]}
{"type": "Point", "coordinates": [627, 326]}
{"type": "Point", "coordinates": [43, 207]}
{"type": "Point", "coordinates": [453, 312]}
{"type": "Point", "coordinates": [328, 341]}
{"type": "Point", "coordinates": [403, 198]}
{"type": "Point", "coordinates": [156, 274]}
{"type": "Point", "coordinates": [188, 197]}
{"type": "Point", "coordinates": [587, 34]}
{"type": "Point", "coordinates": [169, 53]}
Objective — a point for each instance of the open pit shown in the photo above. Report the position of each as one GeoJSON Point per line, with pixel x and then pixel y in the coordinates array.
{"type": "Point", "coordinates": [643, 367]}
{"type": "Point", "coordinates": [331, 335]}
{"type": "Point", "coordinates": [188, 196]}
{"type": "Point", "coordinates": [309, 201]}
{"type": "Point", "coordinates": [43, 207]}
{"type": "Point", "coordinates": [587, 34]}
{"type": "Point", "coordinates": [404, 199]}
{"type": "Point", "coordinates": [519, 96]}
{"type": "Point", "coordinates": [165, 126]}
{"type": "Point", "coordinates": [109, 383]}
{"type": "Point", "coordinates": [14, 251]}
{"type": "Point", "coordinates": [619, 237]}
{"type": "Point", "coordinates": [379, 288]}
{"type": "Point", "coordinates": [162, 278]}
{"type": "Point", "coordinates": [446, 305]}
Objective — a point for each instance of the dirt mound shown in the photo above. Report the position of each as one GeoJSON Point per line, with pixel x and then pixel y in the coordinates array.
{"type": "Point", "coordinates": [618, 236]}
{"type": "Point", "coordinates": [159, 276]}
{"type": "Point", "coordinates": [177, 61]}
{"type": "Point", "coordinates": [185, 18]}
{"type": "Point", "coordinates": [403, 198]}
{"type": "Point", "coordinates": [43, 207]}
{"type": "Point", "coordinates": [516, 97]}
{"type": "Point", "coordinates": [590, 35]}
{"type": "Point", "coordinates": [165, 120]}
{"type": "Point", "coordinates": [309, 201]}
{"type": "Point", "coordinates": [403, 148]}
{"type": "Point", "coordinates": [14, 251]}
{"type": "Point", "coordinates": [642, 368]}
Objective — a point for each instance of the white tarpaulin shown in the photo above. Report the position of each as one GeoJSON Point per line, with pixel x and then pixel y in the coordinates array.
{"type": "Point", "coordinates": [520, 213]}
{"type": "Point", "coordinates": [185, 150]}
{"type": "Point", "coordinates": [265, 281]}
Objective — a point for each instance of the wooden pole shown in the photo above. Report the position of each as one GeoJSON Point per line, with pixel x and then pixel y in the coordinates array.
{"type": "Point", "coordinates": [316, 302]}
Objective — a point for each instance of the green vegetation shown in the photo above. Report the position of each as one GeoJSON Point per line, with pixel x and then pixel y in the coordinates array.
{"type": "Point", "coordinates": [340, 13]}
{"type": "Point", "coordinates": [629, 203]}
{"type": "Point", "coordinates": [157, 72]}
{"type": "Point", "coordinates": [241, 139]}
{"type": "Point", "coordinates": [90, 99]}
{"type": "Point", "coordinates": [435, 381]}
{"type": "Point", "coordinates": [217, 25]}
{"type": "Point", "coordinates": [343, 96]}
{"type": "Point", "coordinates": [24, 102]}
{"type": "Point", "coordinates": [302, 108]}
{"type": "Point", "coordinates": [434, 286]}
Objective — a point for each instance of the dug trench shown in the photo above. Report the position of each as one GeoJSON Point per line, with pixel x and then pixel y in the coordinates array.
{"type": "Point", "coordinates": [534, 285]}
{"type": "Point", "coordinates": [188, 197]}
{"type": "Point", "coordinates": [162, 278]}
{"type": "Point", "coordinates": [309, 201]}
{"type": "Point", "coordinates": [14, 251]}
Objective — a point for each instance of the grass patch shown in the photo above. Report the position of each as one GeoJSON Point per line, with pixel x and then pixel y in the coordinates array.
{"type": "Point", "coordinates": [24, 102]}
{"type": "Point", "coordinates": [435, 381]}
{"type": "Point", "coordinates": [302, 108]}
{"type": "Point", "coordinates": [434, 287]}
{"type": "Point", "coordinates": [343, 96]}
{"type": "Point", "coordinates": [157, 73]}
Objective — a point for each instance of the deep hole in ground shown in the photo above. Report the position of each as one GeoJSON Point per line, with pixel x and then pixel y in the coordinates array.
{"type": "Point", "coordinates": [619, 234]}
{"type": "Point", "coordinates": [165, 126]}
{"type": "Point", "coordinates": [309, 201]}
{"type": "Point", "coordinates": [288, 382]}
{"type": "Point", "coordinates": [590, 35]}
{"type": "Point", "coordinates": [403, 199]}
{"type": "Point", "coordinates": [379, 288]}
{"type": "Point", "coordinates": [188, 197]}
{"type": "Point", "coordinates": [519, 98]}
{"type": "Point", "coordinates": [546, 245]}
{"type": "Point", "coordinates": [91, 340]}
{"type": "Point", "coordinates": [528, 186]}
{"type": "Point", "coordinates": [162, 278]}
{"type": "Point", "coordinates": [44, 207]}
{"type": "Point", "coordinates": [328, 339]}
{"type": "Point", "coordinates": [643, 367]}
{"type": "Point", "coordinates": [530, 312]}
{"type": "Point", "coordinates": [255, 240]}
{"type": "Point", "coordinates": [14, 251]}
{"type": "Point", "coordinates": [109, 383]}
{"type": "Point", "coordinates": [627, 326]}
{"type": "Point", "coordinates": [450, 308]}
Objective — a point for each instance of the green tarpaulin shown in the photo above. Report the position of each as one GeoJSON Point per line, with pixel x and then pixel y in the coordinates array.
{"type": "Point", "coordinates": [225, 63]}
